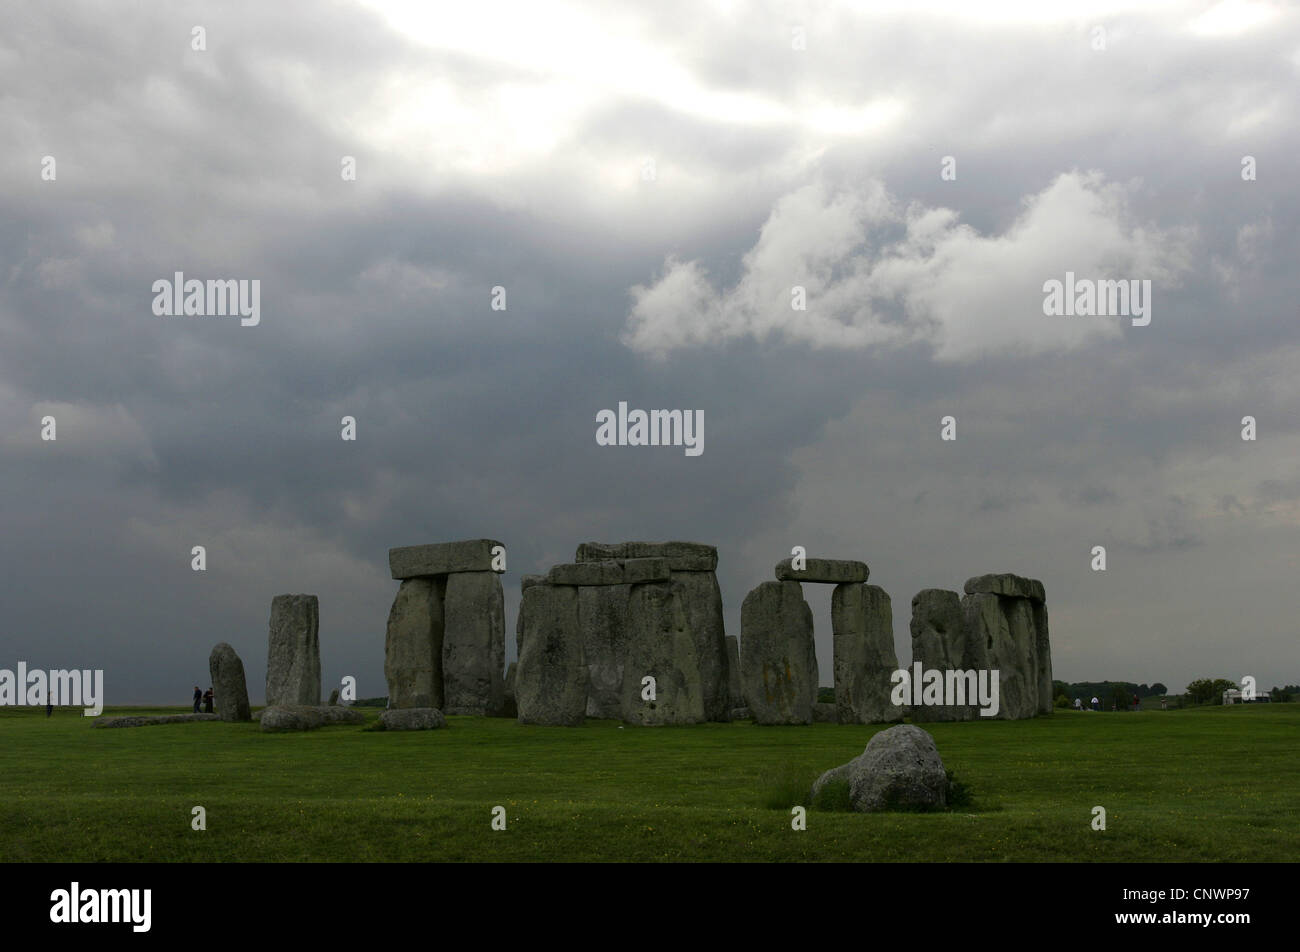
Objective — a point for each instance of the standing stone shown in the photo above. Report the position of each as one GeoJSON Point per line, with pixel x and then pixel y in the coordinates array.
{"type": "Point", "coordinates": [661, 645]}
{"type": "Point", "coordinates": [939, 642]}
{"type": "Point", "coordinates": [702, 598]}
{"type": "Point", "coordinates": [602, 619]}
{"type": "Point", "coordinates": [735, 693]}
{"type": "Point", "coordinates": [1003, 628]}
{"type": "Point", "coordinates": [334, 697]}
{"type": "Point", "coordinates": [778, 659]}
{"type": "Point", "coordinates": [551, 677]}
{"type": "Point", "coordinates": [1045, 700]}
{"type": "Point", "coordinates": [413, 645]}
{"type": "Point", "coordinates": [862, 626]}
{"type": "Point", "coordinates": [293, 652]}
{"type": "Point", "coordinates": [473, 643]}
{"type": "Point", "coordinates": [229, 689]}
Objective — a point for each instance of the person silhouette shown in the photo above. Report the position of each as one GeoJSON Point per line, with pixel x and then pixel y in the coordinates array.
{"type": "Point", "coordinates": [207, 701]}
{"type": "Point", "coordinates": [198, 696]}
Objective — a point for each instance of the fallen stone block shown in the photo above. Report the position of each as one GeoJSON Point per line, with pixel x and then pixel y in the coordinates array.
{"type": "Point", "coordinates": [147, 720]}
{"type": "Point", "coordinates": [412, 719]}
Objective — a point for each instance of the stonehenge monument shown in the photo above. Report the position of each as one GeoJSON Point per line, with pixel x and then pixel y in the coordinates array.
{"type": "Point", "coordinates": [293, 651]}
{"type": "Point", "coordinates": [1000, 624]}
{"type": "Point", "coordinates": [445, 643]}
{"type": "Point", "coordinates": [634, 631]}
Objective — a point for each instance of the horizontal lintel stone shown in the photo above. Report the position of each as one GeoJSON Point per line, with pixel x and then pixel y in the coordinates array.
{"type": "Point", "coordinates": [610, 572]}
{"type": "Point", "coordinates": [1006, 584]}
{"type": "Point", "coordinates": [681, 556]}
{"type": "Point", "coordinates": [442, 558]}
{"type": "Point", "coordinates": [831, 571]}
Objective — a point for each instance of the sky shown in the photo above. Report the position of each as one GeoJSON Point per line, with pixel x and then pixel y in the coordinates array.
{"type": "Point", "coordinates": [648, 183]}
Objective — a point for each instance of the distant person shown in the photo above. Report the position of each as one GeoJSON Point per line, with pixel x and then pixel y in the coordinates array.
{"type": "Point", "coordinates": [49, 707]}
{"type": "Point", "coordinates": [1078, 704]}
{"type": "Point", "coordinates": [198, 696]}
{"type": "Point", "coordinates": [207, 701]}
{"type": "Point", "coordinates": [1164, 704]}
{"type": "Point", "coordinates": [1137, 704]}
{"type": "Point", "coordinates": [1096, 704]}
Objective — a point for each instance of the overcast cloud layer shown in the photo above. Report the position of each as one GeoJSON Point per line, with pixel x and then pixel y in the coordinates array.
{"type": "Point", "coordinates": [648, 182]}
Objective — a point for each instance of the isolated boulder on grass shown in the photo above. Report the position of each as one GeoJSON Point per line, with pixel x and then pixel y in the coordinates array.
{"type": "Point", "coordinates": [412, 719]}
{"type": "Point", "coordinates": [900, 769]}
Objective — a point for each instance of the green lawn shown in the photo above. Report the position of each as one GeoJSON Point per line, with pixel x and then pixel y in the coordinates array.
{"type": "Point", "coordinates": [1208, 784]}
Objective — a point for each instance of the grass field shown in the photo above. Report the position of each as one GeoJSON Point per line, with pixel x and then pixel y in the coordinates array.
{"type": "Point", "coordinates": [1210, 784]}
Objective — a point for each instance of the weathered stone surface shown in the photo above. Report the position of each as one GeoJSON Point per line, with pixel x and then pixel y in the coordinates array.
{"type": "Point", "coordinates": [735, 693]}
{"type": "Point", "coordinates": [551, 677]}
{"type": "Point", "coordinates": [832, 571]}
{"type": "Point", "coordinates": [412, 719]}
{"type": "Point", "coordinates": [229, 688]}
{"type": "Point", "coordinates": [862, 627]}
{"type": "Point", "coordinates": [835, 773]}
{"type": "Point", "coordinates": [660, 644]}
{"type": "Point", "coordinates": [528, 581]}
{"type": "Point", "coordinates": [702, 598]}
{"type": "Point", "coordinates": [413, 644]}
{"type": "Point", "coordinates": [939, 641]}
{"type": "Point", "coordinates": [612, 572]}
{"type": "Point", "coordinates": [293, 651]}
{"type": "Point", "coordinates": [738, 714]}
{"type": "Point", "coordinates": [778, 660]}
{"type": "Point", "coordinates": [825, 713]}
{"type": "Point", "coordinates": [442, 558]}
{"type": "Point", "coordinates": [1014, 586]}
{"type": "Point", "coordinates": [473, 643]}
{"type": "Point", "coordinates": [900, 767]}
{"type": "Point", "coordinates": [279, 718]}
{"type": "Point", "coordinates": [334, 698]}
{"type": "Point", "coordinates": [147, 720]}
{"type": "Point", "coordinates": [681, 556]}
{"type": "Point", "coordinates": [1004, 629]}
{"type": "Point", "coordinates": [1045, 699]}
{"type": "Point", "coordinates": [602, 619]}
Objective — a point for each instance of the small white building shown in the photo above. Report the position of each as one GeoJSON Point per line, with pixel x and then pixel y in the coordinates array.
{"type": "Point", "coordinates": [1232, 696]}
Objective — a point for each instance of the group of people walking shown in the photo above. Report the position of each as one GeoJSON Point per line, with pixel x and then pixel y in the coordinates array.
{"type": "Point", "coordinates": [204, 698]}
{"type": "Point", "coordinates": [1096, 704]}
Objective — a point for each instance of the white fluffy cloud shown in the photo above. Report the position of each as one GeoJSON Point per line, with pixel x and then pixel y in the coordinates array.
{"type": "Point", "coordinates": [878, 273]}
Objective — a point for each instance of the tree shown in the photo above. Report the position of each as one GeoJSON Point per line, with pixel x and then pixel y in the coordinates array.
{"type": "Point", "coordinates": [1207, 691]}
{"type": "Point", "coordinates": [1159, 689]}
